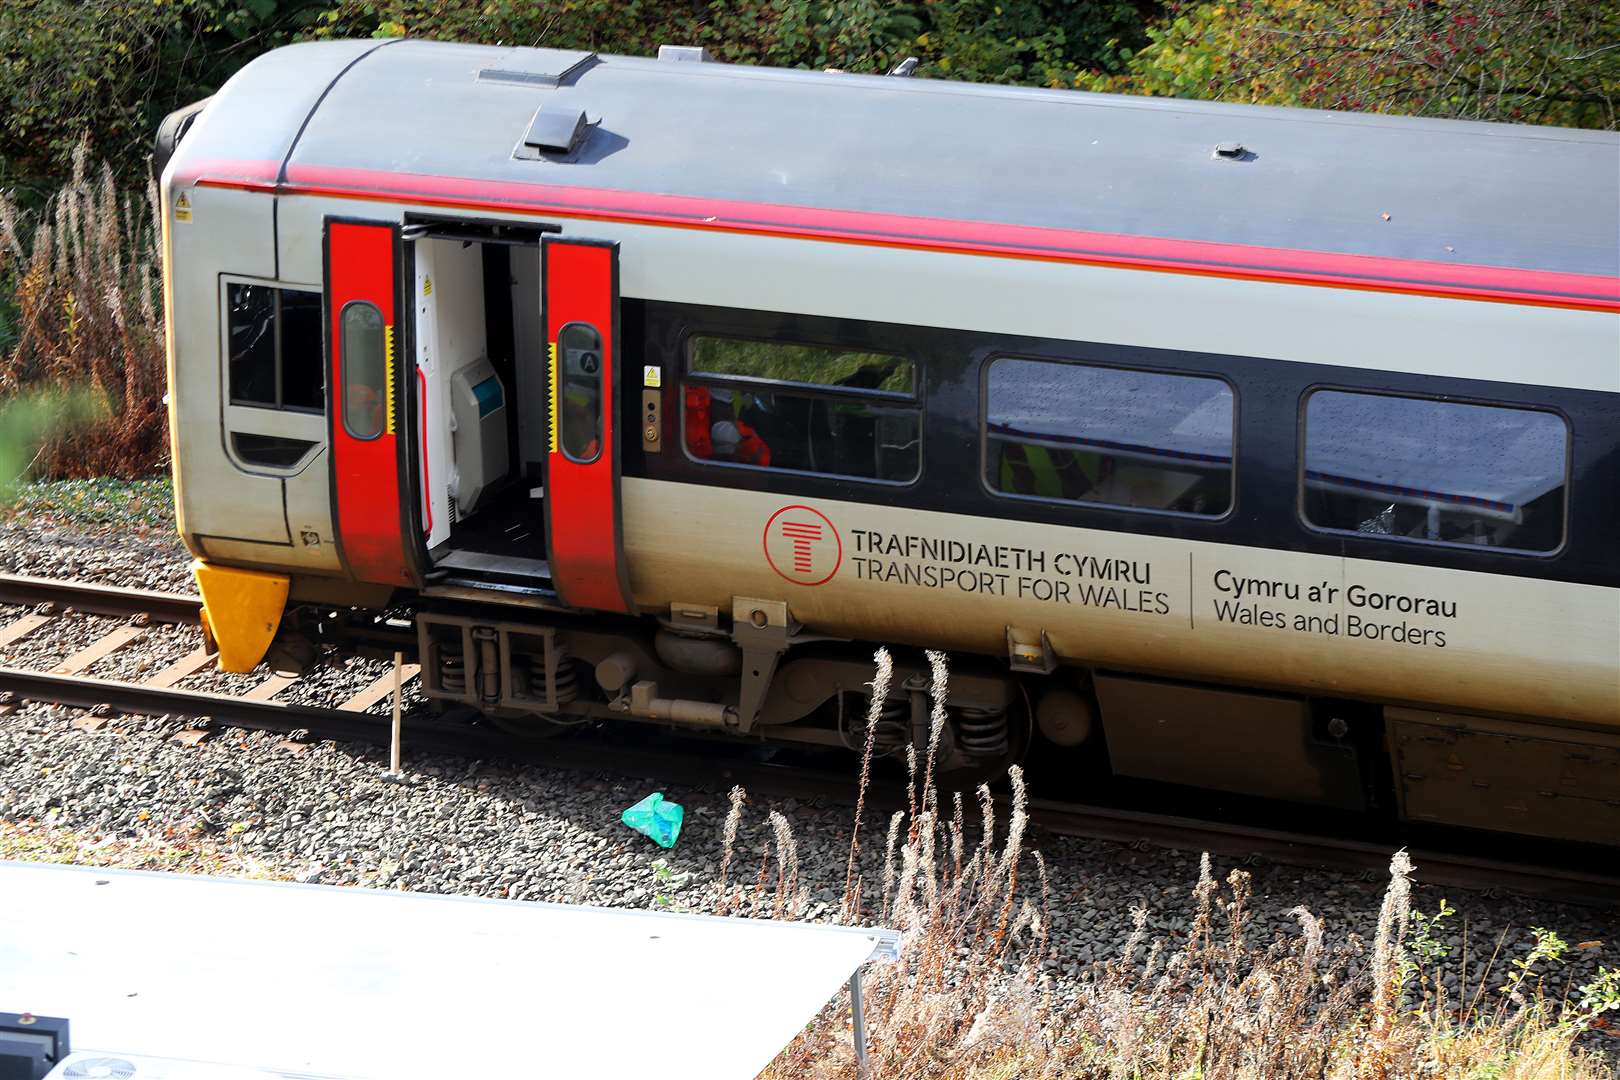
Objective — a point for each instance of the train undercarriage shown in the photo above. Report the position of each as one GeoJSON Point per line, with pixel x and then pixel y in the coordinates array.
{"type": "Point", "coordinates": [755, 674]}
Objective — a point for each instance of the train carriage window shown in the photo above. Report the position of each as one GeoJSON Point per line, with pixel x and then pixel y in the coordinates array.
{"type": "Point", "coordinates": [365, 372]}
{"type": "Point", "coordinates": [802, 407]}
{"type": "Point", "coordinates": [1439, 471]}
{"type": "Point", "coordinates": [274, 343]}
{"type": "Point", "coordinates": [1115, 436]}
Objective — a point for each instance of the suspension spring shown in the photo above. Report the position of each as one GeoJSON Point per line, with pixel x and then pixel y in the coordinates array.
{"type": "Point", "coordinates": [982, 732]}
{"type": "Point", "coordinates": [567, 676]}
{"type": "Point", "coordinates": [893, 727]}
{"type": "Point", "coordinates": [453, 671]}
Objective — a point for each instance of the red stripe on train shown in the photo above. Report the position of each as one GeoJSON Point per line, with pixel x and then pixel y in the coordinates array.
{"type": "Point", "coordinates": [1286, 265]}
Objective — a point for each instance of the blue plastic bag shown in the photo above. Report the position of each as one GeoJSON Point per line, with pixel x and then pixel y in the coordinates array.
{"type": "Point", "coordinates": [656, 819]}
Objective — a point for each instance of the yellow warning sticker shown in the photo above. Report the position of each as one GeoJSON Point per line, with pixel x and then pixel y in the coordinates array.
{"type": "Point", "coordinates": [652, 376]}
{"type": "Point", "coordinates": [388, 374]}
{"type": "Point", "coordinates": [427, 286]}
{"type": "Point", "coordinates": [551, 354]}
{"type": "Point", "coordinates": [182, 207]}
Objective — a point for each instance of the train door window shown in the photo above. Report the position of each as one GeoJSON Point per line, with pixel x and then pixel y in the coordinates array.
{"type": "Point", "coordinates": [274, 347]}
{"type": "Point", "coordinates": [274, 375]}
{"type": "Point", "coordinates": [579, 350]}
{"type": "Point", "coordinates": [802, 407]}
{"type": "Point", "coordinates": [1438, 471]}
{"type": "Point", "coordinates": [1147, 440]}
{"type": "Point", "coordinates": [365, 375]}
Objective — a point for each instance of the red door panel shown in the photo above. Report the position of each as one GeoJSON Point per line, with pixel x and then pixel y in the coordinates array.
{"type": "Point", "coordinates": [362, 275]}
{"type": "Point", "coordinates": [584, 542]}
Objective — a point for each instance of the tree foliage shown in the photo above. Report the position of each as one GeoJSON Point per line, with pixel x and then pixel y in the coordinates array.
{"type": "Point", "coordinates": [113, 68]}
{"type": "Point", "coordinates": [1531, 61]}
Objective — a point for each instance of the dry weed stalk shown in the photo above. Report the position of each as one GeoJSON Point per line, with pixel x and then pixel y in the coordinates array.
{"type": "Point", "coordinates": [85, 279]}
{"type": "Point", "coordinates": [968, 999]}
{"type": "Point", "coordinates": [728, 845]}
{"type": "Point", "coordinates": [850, 909]}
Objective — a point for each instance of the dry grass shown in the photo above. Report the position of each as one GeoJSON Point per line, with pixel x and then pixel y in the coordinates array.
{"type": "Point", "coordinates": [85, 313]}
{"type": "Point", "coordinates": [968, 1000]}
{"type": "Point", "coordinates": [45, 842]}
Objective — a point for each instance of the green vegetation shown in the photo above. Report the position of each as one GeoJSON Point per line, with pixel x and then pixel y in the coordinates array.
{"type": "Point", "coordinates": [26, 422]}
{"type": "Point", "coordinates": [1527, 61]}
{"type": "Point", "coordinates": [812, 364]}
{"type": "Point", "coordinates": [94, 503]}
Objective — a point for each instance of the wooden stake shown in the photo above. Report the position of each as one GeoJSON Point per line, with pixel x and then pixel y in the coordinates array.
{"type": "Point", "coordinates": [393, 751]}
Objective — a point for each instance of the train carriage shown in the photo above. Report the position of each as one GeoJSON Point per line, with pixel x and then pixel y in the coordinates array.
{"type": "Point", "coordinates": [1250, 449]}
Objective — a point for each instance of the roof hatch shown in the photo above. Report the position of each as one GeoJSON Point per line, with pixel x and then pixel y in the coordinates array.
{"type": "Point", "coordinates": [537, 67]}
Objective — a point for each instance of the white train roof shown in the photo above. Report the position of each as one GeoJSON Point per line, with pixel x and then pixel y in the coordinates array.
{"type": "Point", "coordinates": [1450, 192]}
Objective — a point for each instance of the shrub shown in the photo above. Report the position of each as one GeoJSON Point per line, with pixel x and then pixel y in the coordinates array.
{"type": "Point", "coordinates": [88, 317]}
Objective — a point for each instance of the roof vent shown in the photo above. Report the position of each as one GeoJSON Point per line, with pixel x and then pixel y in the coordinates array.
{"type": "Point", "coordinates": [558, 130]}
{"type": "Point", "coordinates": [690, 53]}
{"type": "Point", "coordinates": [1232, 151]}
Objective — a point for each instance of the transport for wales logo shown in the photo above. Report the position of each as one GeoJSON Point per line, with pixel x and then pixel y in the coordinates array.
{"type": "Point", "coordinates": [802, 545]}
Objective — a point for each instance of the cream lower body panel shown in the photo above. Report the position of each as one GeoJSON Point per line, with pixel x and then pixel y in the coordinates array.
{"type": "Point", "coordinates": [1457, 640]}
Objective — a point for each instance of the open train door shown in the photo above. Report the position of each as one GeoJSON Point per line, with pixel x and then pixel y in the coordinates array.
{"type": "Point", "coordinates": [362, 299]}
{"type": "Point", "coordinates": [584, 533]}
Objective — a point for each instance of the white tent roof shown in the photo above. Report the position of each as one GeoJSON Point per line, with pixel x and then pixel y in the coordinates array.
{"type": "Point", "coordinates": [362, 984]}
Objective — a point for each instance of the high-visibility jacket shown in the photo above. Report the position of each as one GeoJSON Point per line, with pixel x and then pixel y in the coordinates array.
{"type": "Point", "coordinates": [697, 422]}
{"type": "Point", "coordinates": [749, 449]}
{"type": "Point", "coordinates": [1028, 469]}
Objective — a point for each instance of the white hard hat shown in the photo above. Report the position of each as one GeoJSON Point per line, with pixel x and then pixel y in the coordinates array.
{"type": "Point", "coordinates": [725, 437]}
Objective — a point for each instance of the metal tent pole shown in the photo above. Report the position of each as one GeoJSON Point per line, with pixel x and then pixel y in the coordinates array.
{"type": "Point", "coordinates": [393, 746]}
{"type": "Point", "coordinates": [857, 1011]}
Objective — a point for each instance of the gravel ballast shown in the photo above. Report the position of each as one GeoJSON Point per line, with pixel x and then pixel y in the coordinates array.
{"type": "Point", "coordinates": [328, 813]}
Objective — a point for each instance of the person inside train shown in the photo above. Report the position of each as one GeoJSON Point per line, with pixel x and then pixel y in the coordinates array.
{"type": "Point", "coordinates": [715, 428]}
{"type": "Point", "coordinates": [1028, 468]}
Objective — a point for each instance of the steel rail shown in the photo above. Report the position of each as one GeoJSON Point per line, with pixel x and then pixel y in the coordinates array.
{"type": "Point", "coordinates": [1313, 851]}
{"type": "Point", "coordinates": [695, 762]}
{"type": "Point", "coordinates": [444, 737]}
{"type": "Point", "coordinates": [100, 599]}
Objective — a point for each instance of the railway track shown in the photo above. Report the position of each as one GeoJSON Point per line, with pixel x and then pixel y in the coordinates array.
{"type": "Point", "coordinates": [669, 759]}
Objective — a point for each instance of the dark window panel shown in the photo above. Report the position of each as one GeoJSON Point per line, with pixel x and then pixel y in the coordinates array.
{"type": "Point", "coordinates": [802, 432]}
{"type": "Point", "coordinates": [272, 451]}
{"type": "Point", "coordinates": [1111, 436]}
{"type": "Point", "coordinates": [1438, 471]}
{"type": "Point", "coordinates": [251, 336]}
{"type": "Point", "coordinates": [303, 367]}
